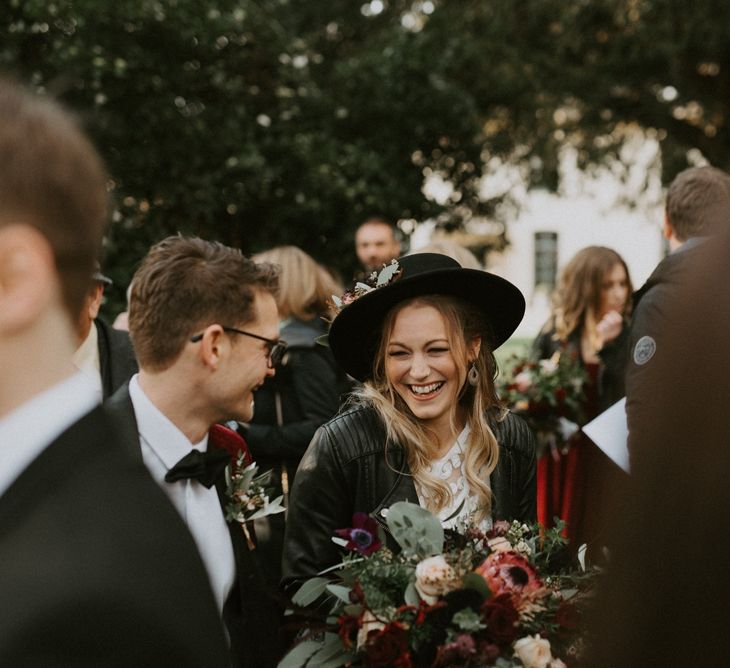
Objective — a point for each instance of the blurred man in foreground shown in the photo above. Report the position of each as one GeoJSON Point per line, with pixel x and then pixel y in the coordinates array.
{"type": "Point", "coordinates": [96, 568]}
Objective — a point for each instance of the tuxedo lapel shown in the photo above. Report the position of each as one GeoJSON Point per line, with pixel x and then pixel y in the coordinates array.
{"type": "Point", "coordinates": [120, 410]}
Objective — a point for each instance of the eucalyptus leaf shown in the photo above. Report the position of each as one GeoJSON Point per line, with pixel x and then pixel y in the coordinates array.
{"type": "Point", "coordinates": [323, 340]}
{"type": "Point", "coordinates": [386, 275]}
{"type": "Point", "coordinates": [411, 596]}
{"type": "Point", "coordinates": [417, 531]}
{"type": "Point", "coordinates": [299, 654]}
{"type": "Point", "coordinates": [310, 591]}
{"type": "Point", "coordinates": [468, 620]}
{"type": "Point", "coordinates": [343, 593]}
{"type": "Point", "coordinates": [330, 655]}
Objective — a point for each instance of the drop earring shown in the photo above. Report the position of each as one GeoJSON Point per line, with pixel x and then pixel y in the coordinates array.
{"type": "Point", "coordinates": [473, 375]}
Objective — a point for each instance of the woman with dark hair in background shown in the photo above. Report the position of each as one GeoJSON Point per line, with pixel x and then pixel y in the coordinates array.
{"type": "Point", "coordinates": [589, 321]}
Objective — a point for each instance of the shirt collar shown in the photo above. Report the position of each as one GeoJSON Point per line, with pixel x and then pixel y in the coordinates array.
{"type": "Point", "coordinates": [30, 428]}
{"type": "Point", "coordinates": [86, 357]}
{"type": "Point", "coordinates": [160, 433]}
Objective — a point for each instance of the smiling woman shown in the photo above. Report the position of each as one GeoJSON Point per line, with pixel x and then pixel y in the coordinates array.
{"type": "Point", "coordinates": [426, 425]}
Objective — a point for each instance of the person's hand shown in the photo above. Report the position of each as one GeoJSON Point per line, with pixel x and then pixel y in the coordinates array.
{"type": "Point", "coordinates": [610, 327]}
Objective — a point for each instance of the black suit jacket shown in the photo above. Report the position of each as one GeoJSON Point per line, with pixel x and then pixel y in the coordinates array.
{"type": "Point", "coordinates": [252, 613]}
{"type": "Point", "coordinates": [117, 361]}
{"type": "Point", "coordinates": [96, 566]}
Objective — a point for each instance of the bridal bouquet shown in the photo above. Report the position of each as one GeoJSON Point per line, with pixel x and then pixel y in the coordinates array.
{"type": "Point", "coordinates": [510, 597]}
{"type": "Point", "coordinates": [549, 395]}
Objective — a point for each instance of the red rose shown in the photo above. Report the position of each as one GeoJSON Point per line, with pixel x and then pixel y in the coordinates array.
{"type": "Point", "coordinates": [501, 618]}
{"type": "Point", "coordinates": [388, 647]}
{"type": "Point", "coordinates": [348, 627]}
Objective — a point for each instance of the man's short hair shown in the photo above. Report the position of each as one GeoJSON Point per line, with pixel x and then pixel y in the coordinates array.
{"type": "Point", "coordinates": [698, 201]}
{"type": "Point", "coordinates": [185, 284]}
{"type": "Point", "coordinates": [377, 220]}
{"type": "Point", "coordinates": [52, 178]}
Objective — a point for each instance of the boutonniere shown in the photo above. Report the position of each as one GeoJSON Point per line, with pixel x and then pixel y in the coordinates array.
{"type": "Point", "coordinates": [248, 494]}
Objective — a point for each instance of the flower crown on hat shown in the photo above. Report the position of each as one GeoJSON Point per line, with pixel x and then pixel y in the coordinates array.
{"type": "Point", "coordinates": [389, 274]}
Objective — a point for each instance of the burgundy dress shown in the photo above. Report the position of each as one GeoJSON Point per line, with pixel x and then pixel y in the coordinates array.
{"type": "Point", "coordinates": [582, 486]}
{"type": "Point", "coordinates": [564, 479]}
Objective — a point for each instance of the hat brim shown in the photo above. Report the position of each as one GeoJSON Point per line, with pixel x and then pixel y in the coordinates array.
{"type": "Point", "coordinates": [101, 278]}
{"type": "Point", "coordinates": [355, 332]}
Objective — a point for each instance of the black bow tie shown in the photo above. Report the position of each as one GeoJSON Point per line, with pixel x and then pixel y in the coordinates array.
{"type": "Point", "coordinates": [205, 467]}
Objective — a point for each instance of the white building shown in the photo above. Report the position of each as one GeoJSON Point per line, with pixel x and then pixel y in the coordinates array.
{"type": "Point", "coordinates": [590, 210]}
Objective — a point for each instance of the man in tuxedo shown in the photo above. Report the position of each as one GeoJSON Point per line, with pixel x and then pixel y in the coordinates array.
{"type": "Point", "coordinates": [105, 355]}
{"type": "Point", "coordinates": [205, 329]}
{"type": "Point", "coordinates": [96, 568]}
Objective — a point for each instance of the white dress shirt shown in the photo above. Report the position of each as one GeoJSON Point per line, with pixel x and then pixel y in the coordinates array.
{"type": "Point", "coordinates": [86, 359]}
{"type": "Point", "coordinates": [164, 445]}
{"type": "Point", "coordinates": [30, 428]}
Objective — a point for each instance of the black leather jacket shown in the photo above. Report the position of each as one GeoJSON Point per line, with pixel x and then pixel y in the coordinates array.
{"type": "Point", "coordinates": [345, 471]}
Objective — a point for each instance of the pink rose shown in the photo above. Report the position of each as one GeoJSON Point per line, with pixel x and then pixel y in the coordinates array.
{"type": "Point", "coordinates": [434, 578]}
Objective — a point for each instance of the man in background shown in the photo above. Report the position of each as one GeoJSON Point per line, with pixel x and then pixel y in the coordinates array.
{"type": "Point", "coordinates": [697, 206]}
{"type": "Point", "coordinates": [376, 244]}
{"type": "Point", "coordinates": [96, 568]}
{"type": "Point", "coordinates": [105, 355]}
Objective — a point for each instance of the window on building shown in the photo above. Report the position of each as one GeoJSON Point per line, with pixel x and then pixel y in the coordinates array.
{"type": "Point", "coordinates": [546, 259]}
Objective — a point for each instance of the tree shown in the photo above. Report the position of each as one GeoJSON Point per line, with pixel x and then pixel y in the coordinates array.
{"type": "Point", "coordinates": [261, 122]}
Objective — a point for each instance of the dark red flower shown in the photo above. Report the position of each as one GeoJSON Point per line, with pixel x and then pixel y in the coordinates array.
{"type": "Point", "coordinates": [487, 652]}
{"type": "Point", "coordinates": [357, 595]}
{"type": "Point", "coordinates": [388, 647]}
{"type": "Point", "coordinates": [501, 617]}
{"type": "Point", "coordinates": [362, 537]}
{"type": "Point", "coordinates": [455, 653]}
{"type": "Point", "coordinates": [568, 617]}
{"type": "Point", "coordinates": [348, 627]}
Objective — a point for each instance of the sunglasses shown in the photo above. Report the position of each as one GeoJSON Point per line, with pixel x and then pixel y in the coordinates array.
{"type": "Point", "coordinates": [275, 348]}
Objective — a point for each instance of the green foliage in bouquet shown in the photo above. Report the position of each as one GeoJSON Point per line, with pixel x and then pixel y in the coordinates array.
{"type": "Point", "coordinates": [513, 596]}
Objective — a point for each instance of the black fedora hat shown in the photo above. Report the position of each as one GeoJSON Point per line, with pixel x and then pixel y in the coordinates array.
{"type": "Point", "coordinates": [355, 332]}
{"type": "Point", "coordinates": [99, 277]}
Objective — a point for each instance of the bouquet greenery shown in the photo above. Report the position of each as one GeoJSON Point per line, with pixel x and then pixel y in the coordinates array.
{"type": "Point", "coordinates": [513, 596]}
{"type": "Point", "coordinates": [549, 395]}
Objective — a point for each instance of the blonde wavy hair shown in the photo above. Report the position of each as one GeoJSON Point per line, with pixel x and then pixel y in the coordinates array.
{"type": "Point", "coordinates": [577, 300]}
{"type": "Point", "coordinates": [463, 323]}
{"type": "Point", "coordinates": [305, 287]}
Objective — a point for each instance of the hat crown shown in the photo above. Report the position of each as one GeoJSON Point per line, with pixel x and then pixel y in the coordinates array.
{"type": "Point", "coordinates": [423, 263]}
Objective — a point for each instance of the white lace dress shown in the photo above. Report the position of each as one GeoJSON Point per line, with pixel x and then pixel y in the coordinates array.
{"type": "Point", "coordinates": [463, 508]}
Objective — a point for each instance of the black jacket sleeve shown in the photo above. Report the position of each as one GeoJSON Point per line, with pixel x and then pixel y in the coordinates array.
{"type": "Point", "coordinates": [320, 501]}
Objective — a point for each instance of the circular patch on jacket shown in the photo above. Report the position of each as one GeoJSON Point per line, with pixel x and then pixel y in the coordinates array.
{"type": "Point", "coordinates": [644, 350]}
